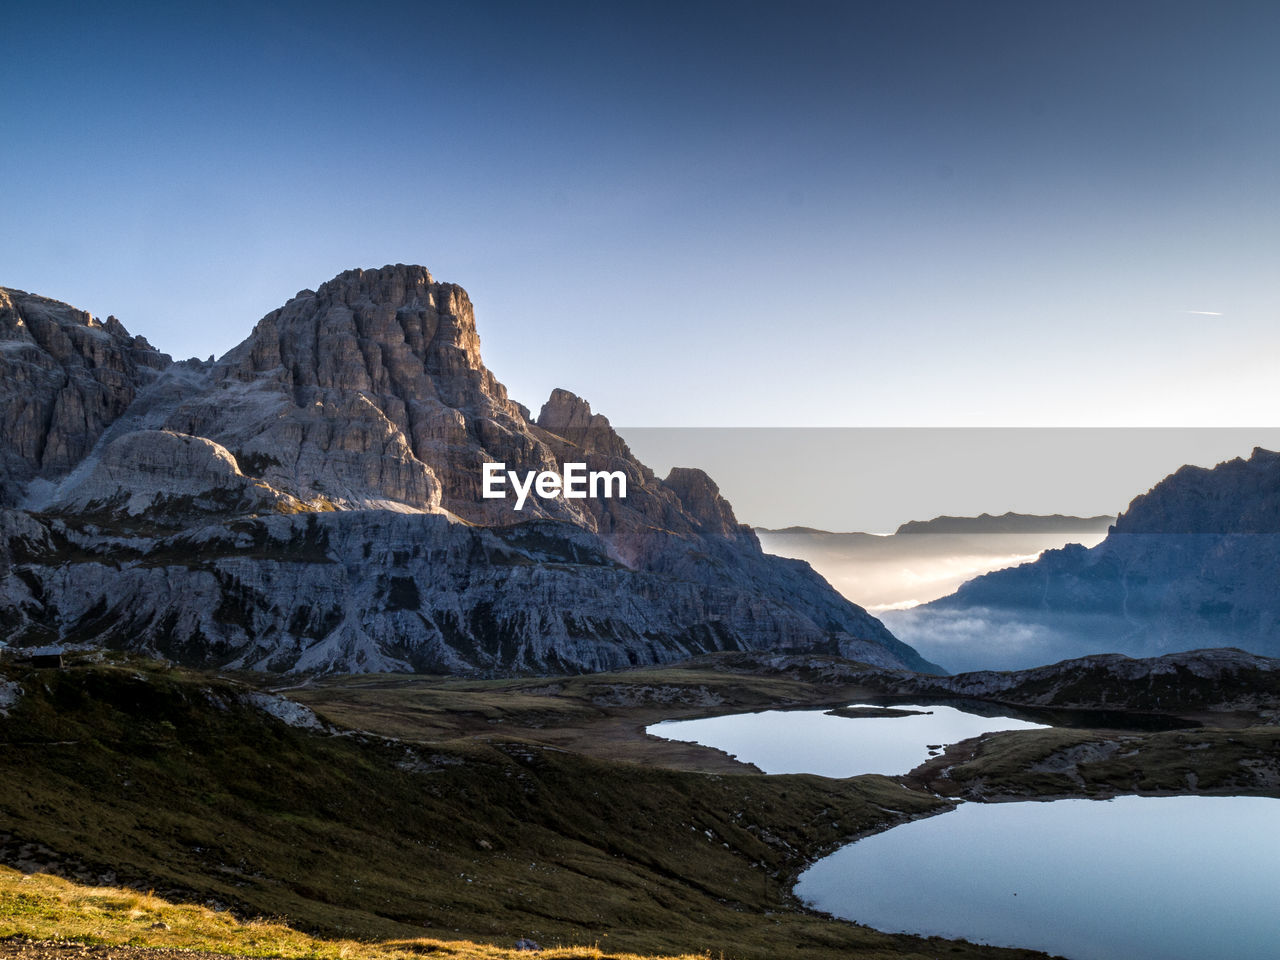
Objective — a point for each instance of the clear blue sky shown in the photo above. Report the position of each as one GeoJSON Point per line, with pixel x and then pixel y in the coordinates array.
{"type": "Point", "coordinates": [925, 213]}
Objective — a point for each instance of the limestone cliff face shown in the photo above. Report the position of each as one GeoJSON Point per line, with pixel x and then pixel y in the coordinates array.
{"type": "Point", "coordinates": [167, 476]}
{"type": "Point", "coordinates": [312, 501]}
{"type": "Point", "coordinates": [365, 392]}
{"type": "Point", "coordinates": [64, 378]}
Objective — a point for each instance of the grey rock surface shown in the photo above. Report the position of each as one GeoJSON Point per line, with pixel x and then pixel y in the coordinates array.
{"type": "Point", "coordinates": [64, 378]}
{"type": "Point", "coordinates": [312, 502]}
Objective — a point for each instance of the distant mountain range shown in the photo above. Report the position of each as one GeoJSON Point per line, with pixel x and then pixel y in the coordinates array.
{"type": "Point", "coordinates": [1017, 523]}
{"type": "Point", "coordinates": [1010, 523]}
{"type": "Point", "coordinates": [925, 560]}
{"type": "Point", "coordinates": [1194, 562]}
{"type": "Point", "coordinates": [312, 502]}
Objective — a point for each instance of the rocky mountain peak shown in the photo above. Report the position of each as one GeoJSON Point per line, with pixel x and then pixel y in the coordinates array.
{"type": "Point", "coordinates": [701, 496]}
{"type": "Point", "coordinates": [1238, 496]}
{"type": "Point", "coordinates": [70, 335]}
{"type": "Point", "coordinates": [569, 417]}
{"type": "Point", "coordinates": [368, 391]}
{"type": "Point", "coordinates": [389, 330]}
{"type": "Point", "coordinates": [565, 412]}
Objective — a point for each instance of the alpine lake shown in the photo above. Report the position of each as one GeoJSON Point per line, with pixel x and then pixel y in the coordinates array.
{"type": "Point", "coordinates": [1130, 878]}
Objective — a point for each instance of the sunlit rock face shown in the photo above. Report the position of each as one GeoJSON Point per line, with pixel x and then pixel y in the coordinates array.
{"type": "Point", "coordinates": [312, 501]}
{"type": "Point", "coordinates": [167, 477]}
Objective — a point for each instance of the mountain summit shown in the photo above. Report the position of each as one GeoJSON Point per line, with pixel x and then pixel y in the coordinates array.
{"type": "Point", "coordinates": [313, 501]}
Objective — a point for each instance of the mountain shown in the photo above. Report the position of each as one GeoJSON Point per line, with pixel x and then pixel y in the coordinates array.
{"type": "Point", "coordinates": [312, 502]}
{"type": "Point", "coordinates": [1194, 562]}
{"type": "Point", "coordinates": [65, 378]}
{"type": "Point", "coordinates": [926, 560]}
{"type": "Point", "coordinates": [1009, 523]}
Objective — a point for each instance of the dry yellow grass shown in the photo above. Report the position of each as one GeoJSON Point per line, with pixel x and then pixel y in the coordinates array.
{"type": "Point", "coordinates": [44, 907]}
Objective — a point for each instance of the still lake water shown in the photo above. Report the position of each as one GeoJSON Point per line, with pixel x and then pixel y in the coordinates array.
{"type": "Point", "coordinates": [1135, 878]}
{"type": "Point", "coordinates": [812, 741]}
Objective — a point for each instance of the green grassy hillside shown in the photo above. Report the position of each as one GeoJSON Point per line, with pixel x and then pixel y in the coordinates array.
{"type": "Point", "coordinates": [152, 778]}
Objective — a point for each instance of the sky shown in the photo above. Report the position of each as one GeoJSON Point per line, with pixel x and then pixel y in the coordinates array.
{"type": "Point", "coordinates": [919, 214]}
{"type": "Point", "coordinates": [873, 479]}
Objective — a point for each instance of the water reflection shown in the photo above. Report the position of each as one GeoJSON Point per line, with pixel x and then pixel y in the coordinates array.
{"type": "Point", "coordinates": [815, 741]}
{"type": "Point", "coordinates": [1136, 878]}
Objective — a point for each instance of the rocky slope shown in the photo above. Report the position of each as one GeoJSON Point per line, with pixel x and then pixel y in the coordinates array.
{"type": "Point", "coordinates": [1194, 562]}
{"type": "Point", "coordinates": [312, 501]}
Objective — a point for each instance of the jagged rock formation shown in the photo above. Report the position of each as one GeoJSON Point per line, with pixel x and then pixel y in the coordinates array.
{"type": "Point", "coordinates": [1194, 562]}
{"type": "Point", "coordinates": [1236, 497]}
{"type": "Point", "coordinates": [64, 378]}
{"type": "Point", "coordinates": [312, 501]}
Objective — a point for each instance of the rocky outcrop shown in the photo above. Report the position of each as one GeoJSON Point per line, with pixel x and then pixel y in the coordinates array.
{"type": "Point", "coordinates": [64, 378]}
{"type": "Point", "coordinates": [312, 502]}
{"type": "Point", "coordinates": [1236, 497]}
{"type": "Point", "coordinates": [167, 475]}
{"type": "Point", "coordinates": [1222, 679]}
{"type": "Point", "coordinates": [1194, 562]}
{"type": "Point", "coordinates": [701, 497]}
{"type": "Point", "coordinates": [568, 418]}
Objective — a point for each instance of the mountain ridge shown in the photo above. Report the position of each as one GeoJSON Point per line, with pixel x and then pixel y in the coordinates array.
{"type": "Point", "coordinates": [1190, 563]}
{"type": "Point", "coordinates": [311, 501]}
{"type": "Point", "coordinates": [1008, 522]}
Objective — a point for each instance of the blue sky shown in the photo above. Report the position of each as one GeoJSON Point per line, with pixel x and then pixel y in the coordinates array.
{"type": "Point", "coordinates": [831, 214]}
